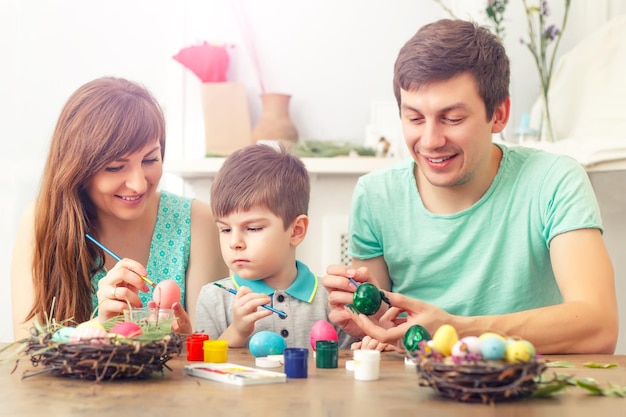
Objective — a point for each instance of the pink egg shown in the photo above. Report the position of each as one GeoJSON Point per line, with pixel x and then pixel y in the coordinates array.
{"type": "Point", "coordinates": [322, 330]}
{"type": "Point", "coordinates": [126, 329]}
{"type": "Point", "coordinates": [88, 332]}
{"type": "Point", "coordinates": [166, 293]}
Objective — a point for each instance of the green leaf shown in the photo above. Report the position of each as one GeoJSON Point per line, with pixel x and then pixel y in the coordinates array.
{"type": "Point", "coordinates": [616, 390]}
{"type": "Point", "coordinates": [590, 385]}
{"type": "Point", "coordinates": [549, 388]}
{"type": "Point", "coordinates": [599, 365]}
{"type": "Point", "coordinates": [560, 364]}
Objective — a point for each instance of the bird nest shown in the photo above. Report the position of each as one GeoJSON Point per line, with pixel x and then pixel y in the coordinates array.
{"type": "Point", "coordinates": [87, 359]}
{"type": "Point", "coordinates": [480, 381]}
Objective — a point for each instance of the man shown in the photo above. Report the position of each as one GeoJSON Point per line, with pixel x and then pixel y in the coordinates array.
{"type": "Point", "coordinates": [470, 233]}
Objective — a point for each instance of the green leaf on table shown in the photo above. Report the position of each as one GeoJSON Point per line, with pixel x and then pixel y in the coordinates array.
{"type": "Point", "coordinates": [590, 385]}
{"type": "Point", "coordinates": [560, 364]}
{"type": "Point", "coordinates": [616, 390]}
{"type": "Point", "coordinates": [549, 388]}
{"type": "Point", "coordinates": [600, 365]}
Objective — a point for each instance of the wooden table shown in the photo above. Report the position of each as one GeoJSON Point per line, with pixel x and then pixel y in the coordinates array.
{"type": "Point", "coordinates": [326, 392]}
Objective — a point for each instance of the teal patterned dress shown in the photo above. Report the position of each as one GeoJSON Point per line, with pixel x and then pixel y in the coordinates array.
{"type": "Point", "coordinates": [169, 249]}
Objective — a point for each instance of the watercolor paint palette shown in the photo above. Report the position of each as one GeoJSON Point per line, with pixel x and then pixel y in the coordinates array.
{"type": "Point", "coordinates": [230, 373]}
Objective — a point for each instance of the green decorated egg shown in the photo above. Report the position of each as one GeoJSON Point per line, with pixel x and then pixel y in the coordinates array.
{"type": "Point", "coordinates": [367, 299]}
{"type": "Point", "coordinates": [414, 336]}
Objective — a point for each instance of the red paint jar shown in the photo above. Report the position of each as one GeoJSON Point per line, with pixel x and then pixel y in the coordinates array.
{"type": "Point", "coordinates": [194, 346]}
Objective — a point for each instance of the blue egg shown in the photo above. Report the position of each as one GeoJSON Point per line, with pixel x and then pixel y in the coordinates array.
{"type": "Point", "coordinates": [492, 348]}
{"type": "Point", "coordinates": [63, 334]}
{"type": "Point", "coordinates": [266, 343]}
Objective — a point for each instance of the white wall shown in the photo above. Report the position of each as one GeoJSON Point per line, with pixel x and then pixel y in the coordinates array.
{"type": "Point", "coordinates": [334, 57]}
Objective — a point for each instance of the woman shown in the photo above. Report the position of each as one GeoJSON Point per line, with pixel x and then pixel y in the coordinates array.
{"type": "Point", "coordinates": [101, 177]}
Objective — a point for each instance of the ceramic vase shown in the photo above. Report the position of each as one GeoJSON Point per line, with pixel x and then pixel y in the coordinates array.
{"type": "Point", "coordinates": [275, 122]}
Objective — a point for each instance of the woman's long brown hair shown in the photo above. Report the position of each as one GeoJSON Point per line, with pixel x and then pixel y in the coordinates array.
{"type": "Point", "coordinates": [101, 122]}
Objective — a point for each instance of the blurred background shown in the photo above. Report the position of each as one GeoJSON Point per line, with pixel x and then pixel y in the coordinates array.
{"type": "Point", "coordinates": [334, 57]}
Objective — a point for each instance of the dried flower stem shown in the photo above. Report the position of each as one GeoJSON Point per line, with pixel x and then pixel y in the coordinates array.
{"type": "Point", "coordinates": [540, 38]}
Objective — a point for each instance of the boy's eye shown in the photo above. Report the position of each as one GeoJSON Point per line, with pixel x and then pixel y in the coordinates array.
{"type": "Point", "coordinates": [224, 229]}
{"type": "Point", "coordinates": [255, 229]}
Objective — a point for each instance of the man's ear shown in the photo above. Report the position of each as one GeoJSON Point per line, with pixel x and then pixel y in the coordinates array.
{"type": "Point", "coordinates": [501, 116]}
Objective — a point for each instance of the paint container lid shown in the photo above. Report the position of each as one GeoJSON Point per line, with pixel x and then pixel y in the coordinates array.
{"type": "Point", "coordinates": [214, 345]}
{"type": "Point", "coordinates": [267, 362]}
{"type": "Point", "coordinates": [327, 352]}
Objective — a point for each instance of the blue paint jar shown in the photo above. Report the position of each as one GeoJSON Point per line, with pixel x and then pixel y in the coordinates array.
{"type": "Point", "coordinates": [296, 362]}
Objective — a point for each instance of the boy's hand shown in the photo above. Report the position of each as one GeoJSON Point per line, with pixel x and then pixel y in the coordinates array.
{"type": "Point", "coordinates": [246, 311]}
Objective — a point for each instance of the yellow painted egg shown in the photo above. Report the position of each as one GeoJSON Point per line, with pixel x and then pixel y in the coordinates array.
{"type": "Point", "coordinates": [91, 323]}
{"type": "Point", "coordinates": [491, 334]}
{"type": "Point", "coordinates": [518, 351]}
{"type": "Point", "coordinates": [444, 339]}
{"type": "Point", "coordinates": [531, 348]}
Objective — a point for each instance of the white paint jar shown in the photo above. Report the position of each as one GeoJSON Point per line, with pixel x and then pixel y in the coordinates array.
{"type": "Point", "coordinates": [366, 365]}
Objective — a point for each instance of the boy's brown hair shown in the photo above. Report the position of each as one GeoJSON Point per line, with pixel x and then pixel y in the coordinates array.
{"type": "Point", "coordinates": [262, 175]}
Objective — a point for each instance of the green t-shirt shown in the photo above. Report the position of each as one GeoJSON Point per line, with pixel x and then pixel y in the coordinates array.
{"type": "Point", "coordinates": [492, 258]}
{"type": "Point", "coordinates": [169, 248]}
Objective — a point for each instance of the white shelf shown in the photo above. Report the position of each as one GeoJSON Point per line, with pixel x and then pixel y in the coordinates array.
{"type": "Point", "coordinates": [208, 167]}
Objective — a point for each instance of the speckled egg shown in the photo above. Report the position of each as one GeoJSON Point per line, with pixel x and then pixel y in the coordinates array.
{"type": "Point", "coordinates": [492, 348]}
{"type": "Point", "coordinates": [473, 344]}
{"type": "Point", "coordinates": [63, 335]}
{"type": "Point", "coordinates": [519, 351]}
{"type": "Point", "coordinates": [322, 330]}
{"type": "Point", "coordinates": [444, 338]}
{"type": "Point", "coordinates": [469, 345]}
{"type": "Point", "coordinates": [266, 343]}
{"type": "Point", "coordinates": [90, 331]}
{"type": "Point", "coordinates": [166, 293]}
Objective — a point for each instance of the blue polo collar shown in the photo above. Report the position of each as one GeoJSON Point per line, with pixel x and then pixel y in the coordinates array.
{"type": "Point", "coordinates": [303, 287]}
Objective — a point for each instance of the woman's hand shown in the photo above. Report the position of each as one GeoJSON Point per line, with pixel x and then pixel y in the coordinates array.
{"type": "Point", "coordinates": [119, 289]}
{"type": "Point", "coordinates": [390, 327]}
{"type": "Point", "coordinates": [182, 323]}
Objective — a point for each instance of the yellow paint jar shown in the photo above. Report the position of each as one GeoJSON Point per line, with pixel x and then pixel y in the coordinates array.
{"type": "Point", "coordinates": [215, 351]}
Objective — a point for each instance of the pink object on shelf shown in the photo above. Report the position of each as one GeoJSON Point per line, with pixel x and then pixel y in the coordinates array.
{"type": "Point", "coordinates": [209, 62]}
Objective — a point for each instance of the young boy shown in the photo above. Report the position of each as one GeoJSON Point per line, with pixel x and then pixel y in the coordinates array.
{"type": "Point", "coordinates": [260, 200]}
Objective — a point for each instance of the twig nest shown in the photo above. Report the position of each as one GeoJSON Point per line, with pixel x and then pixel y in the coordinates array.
{"type": "Point", "coordinates": [485, 368]}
